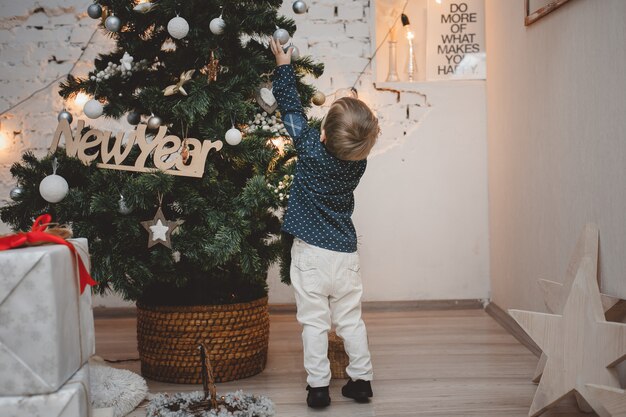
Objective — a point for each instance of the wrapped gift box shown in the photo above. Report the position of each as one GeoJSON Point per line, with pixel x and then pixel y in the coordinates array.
{"type": "Point", "coordinates": [71, 400]}
{"type": "Point", "coordinates": [46, 326]}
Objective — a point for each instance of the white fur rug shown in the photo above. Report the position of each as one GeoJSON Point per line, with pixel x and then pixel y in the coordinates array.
{"type": "Point", "coordinates": [118, 389]}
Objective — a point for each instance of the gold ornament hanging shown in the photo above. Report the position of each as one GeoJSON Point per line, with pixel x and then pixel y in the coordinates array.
{"type": "Point", "coordinates": [211, 69]}
{"type": "Point", "coordinates": [184, 152]}
{"type": "Point", "coordinates": [178, 87]}
{"type": "Point", "coordinates": [318, 98]}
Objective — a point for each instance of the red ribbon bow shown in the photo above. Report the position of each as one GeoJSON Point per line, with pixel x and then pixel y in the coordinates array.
{"type": "Point", "coordinates": [38, 235]}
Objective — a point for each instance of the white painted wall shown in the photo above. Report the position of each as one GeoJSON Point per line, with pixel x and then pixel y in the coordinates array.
{"type": "Point", "coordinates": [421, 210]}
{"type": "Point", "coordinates": [556, 97]}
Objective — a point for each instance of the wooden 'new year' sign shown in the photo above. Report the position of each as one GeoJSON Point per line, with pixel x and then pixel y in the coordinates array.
{"type": "Point", "coordinates": [165, 149]}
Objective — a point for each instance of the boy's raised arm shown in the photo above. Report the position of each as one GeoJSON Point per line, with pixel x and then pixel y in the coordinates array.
{"type": "Point", "coordinates": [284, 89]}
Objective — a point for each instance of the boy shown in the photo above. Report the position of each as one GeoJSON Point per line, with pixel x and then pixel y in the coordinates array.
{"type": "Point", "coordinates": [325, 264]}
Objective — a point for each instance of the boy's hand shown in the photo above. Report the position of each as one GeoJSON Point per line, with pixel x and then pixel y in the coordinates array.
{"type": "Point", "coordinates": [282, 57]}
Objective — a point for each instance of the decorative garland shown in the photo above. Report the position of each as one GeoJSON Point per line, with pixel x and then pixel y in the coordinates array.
{"type": "Point", "coordinates": [235, 404]}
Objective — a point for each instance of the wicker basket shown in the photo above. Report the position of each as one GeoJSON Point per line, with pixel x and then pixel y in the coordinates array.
{"type": "Point", "coordinates": [236, 336]}
{"type": "Point", "coordinates": [337, 356]}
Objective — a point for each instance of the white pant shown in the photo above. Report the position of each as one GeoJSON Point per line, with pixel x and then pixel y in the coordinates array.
{"type": "Point", "coordinates": [328, 290]}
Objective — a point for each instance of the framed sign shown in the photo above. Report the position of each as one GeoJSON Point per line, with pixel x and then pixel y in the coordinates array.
{"type": "Point", "coordinates": [456, 40]}
{"type": "Point", "coordinates": [536, 9]}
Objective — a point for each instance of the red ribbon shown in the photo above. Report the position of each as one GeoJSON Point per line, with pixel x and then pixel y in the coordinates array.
{"type": "Point", "coordinates": [38, 235]}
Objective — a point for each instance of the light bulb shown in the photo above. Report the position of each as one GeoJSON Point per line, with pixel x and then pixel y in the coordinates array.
{"type": "Point", "coordinates": [4, 141]}
{"type": "Point", "coordinates": [279, 144]}
{"type": "Point", "coordinates": [81, 99]}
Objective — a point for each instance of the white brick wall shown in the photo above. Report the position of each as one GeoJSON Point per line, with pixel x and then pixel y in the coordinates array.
{"type": "Point", "coordinates": [413, 202]}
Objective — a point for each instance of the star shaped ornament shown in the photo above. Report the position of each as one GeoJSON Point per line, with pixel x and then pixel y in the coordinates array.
{"type": "Point", "coordinates": [581, 346]}
{"type": "Point", "coordinates": [211, 69]}
{"type": "Point", "coordinates": [612, 399]}
{"type": "Point", "coordinates": [160, 229]}
{"type": "Point", "coordinates": [178, 87]}
{"type": "Point", "coordinates": [555, 293]}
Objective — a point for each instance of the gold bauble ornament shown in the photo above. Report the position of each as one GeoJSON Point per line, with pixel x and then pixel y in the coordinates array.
{"type": "Point", "coordinates": [318, 98]}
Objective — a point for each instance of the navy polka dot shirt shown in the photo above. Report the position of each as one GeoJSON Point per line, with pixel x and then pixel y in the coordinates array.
{"type": "Point", "coordinates": [321, 199]}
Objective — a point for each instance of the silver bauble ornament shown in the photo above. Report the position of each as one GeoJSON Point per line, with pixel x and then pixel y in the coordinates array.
{"type": "Point", "coordinates": [65, 115]}
{"type": "Point", "coordinates": [281, 35]}
{"type": "Point", "coordinates": [154, 122]}
{"type": "Point", "coordinates": [133, 118]}
{"type": "Point", "coordinates": [16, 193]}
{"type": "Point", "coordinates": [217, 26]}
{"type": "Point", "coordinates": [233, 136]}
{"type": "Point", "coordinates": [113, 23]}
{"type": "Point", "coordinates": [93, 109]}
{"type": "Point", "coordinates": [123, 208]}
{"type": "Point", "coordinates": [94, 11]}
{"type": "Point", "coordinates": [299, 7]}
{"type": "Point", "coordinates": [53, 188]}
{"type": "Point", "coordinates": [295, 52]}
{"type": "Point", "coordinates": [178, 28]}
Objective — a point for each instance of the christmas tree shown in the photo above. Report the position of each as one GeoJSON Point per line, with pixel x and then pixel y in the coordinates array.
{"type": "Point", "coordinates": [195, 67]}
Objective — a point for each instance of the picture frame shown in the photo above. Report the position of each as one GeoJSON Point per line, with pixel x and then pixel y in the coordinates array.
{"type": "Point", "coordinates": [536, 9]}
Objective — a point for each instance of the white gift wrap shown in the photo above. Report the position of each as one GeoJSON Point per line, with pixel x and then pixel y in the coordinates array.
{"type": "Point", "coordinates": [71, 400]}
{"type": "Point", "coordinates": [46, 327]}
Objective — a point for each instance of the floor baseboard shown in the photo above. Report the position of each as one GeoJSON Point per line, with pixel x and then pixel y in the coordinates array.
{"type": "Point", "coordinates": [510, 325]}
{"type": "Point", "coordinates": [368, 306]}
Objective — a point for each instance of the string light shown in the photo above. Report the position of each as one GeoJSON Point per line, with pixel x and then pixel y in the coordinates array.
{"type": "Point", "coordinates": [354, 92]}
{"type": "Point", "coordinates": [56, 79]}
{"type": "Point", "coordinates": [4, 139]}
{"type": "Point", "coordinates": [80, 99]}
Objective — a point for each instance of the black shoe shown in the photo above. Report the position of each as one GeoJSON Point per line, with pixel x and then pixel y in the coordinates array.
{"type": "Point", "coordinates": [359, 390]}
{"type": "Point", "coordinates": [317, 397]}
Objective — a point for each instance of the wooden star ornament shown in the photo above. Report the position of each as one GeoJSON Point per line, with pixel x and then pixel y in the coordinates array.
{"type": "Point", "coordinates": [160, 229]}
{"type": "Point", "coordinates": [581, 346]}
{"type": "Point", "coordinates": [612, 399]}
{"type": "Point", "coordinates": [178, 87]}
{"type": "Point", "coordinates": [555, 293]}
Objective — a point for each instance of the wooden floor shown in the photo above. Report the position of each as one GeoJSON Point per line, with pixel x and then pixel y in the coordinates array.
{"type": "Point", "coordinates": [426, 363]}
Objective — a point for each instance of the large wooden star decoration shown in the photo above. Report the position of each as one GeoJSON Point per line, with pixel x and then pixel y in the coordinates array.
{"type": "Point", "coordinates": [555, 293]}
{"type": "Point", "coordinates": [160, 229]}
{"type": "Point", "coordinates": [581, 346]}
{"type": "Point", "coordinates": [612, 399]}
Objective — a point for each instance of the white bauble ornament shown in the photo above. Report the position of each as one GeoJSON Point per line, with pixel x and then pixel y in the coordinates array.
{"type": "Point", "coordinates": [53, 188]}
{"type": "Point", "coordinates": [113, 23]}
{"type": "Point", "coordinates": [178, 27]}
{"type": "Point", "coordinates": [233, 136]}
{"type": "Point", "coordinates": [93, 109]}
{"type": "Point", "coordinates": [217, 26]}
{"type": "Point", "coordinates": [299, 7]}
{"type": "Point", "coordinates": [281, 35]}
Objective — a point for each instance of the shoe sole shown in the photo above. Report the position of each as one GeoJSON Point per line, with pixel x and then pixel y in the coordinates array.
{"type": "Point", "coordinates": [318, 405]}
{"type": "Point", "coordinates": [362, 398]}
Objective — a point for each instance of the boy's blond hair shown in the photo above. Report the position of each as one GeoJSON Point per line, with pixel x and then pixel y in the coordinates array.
{"type": "Point", "coordinates": [351, 129]}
